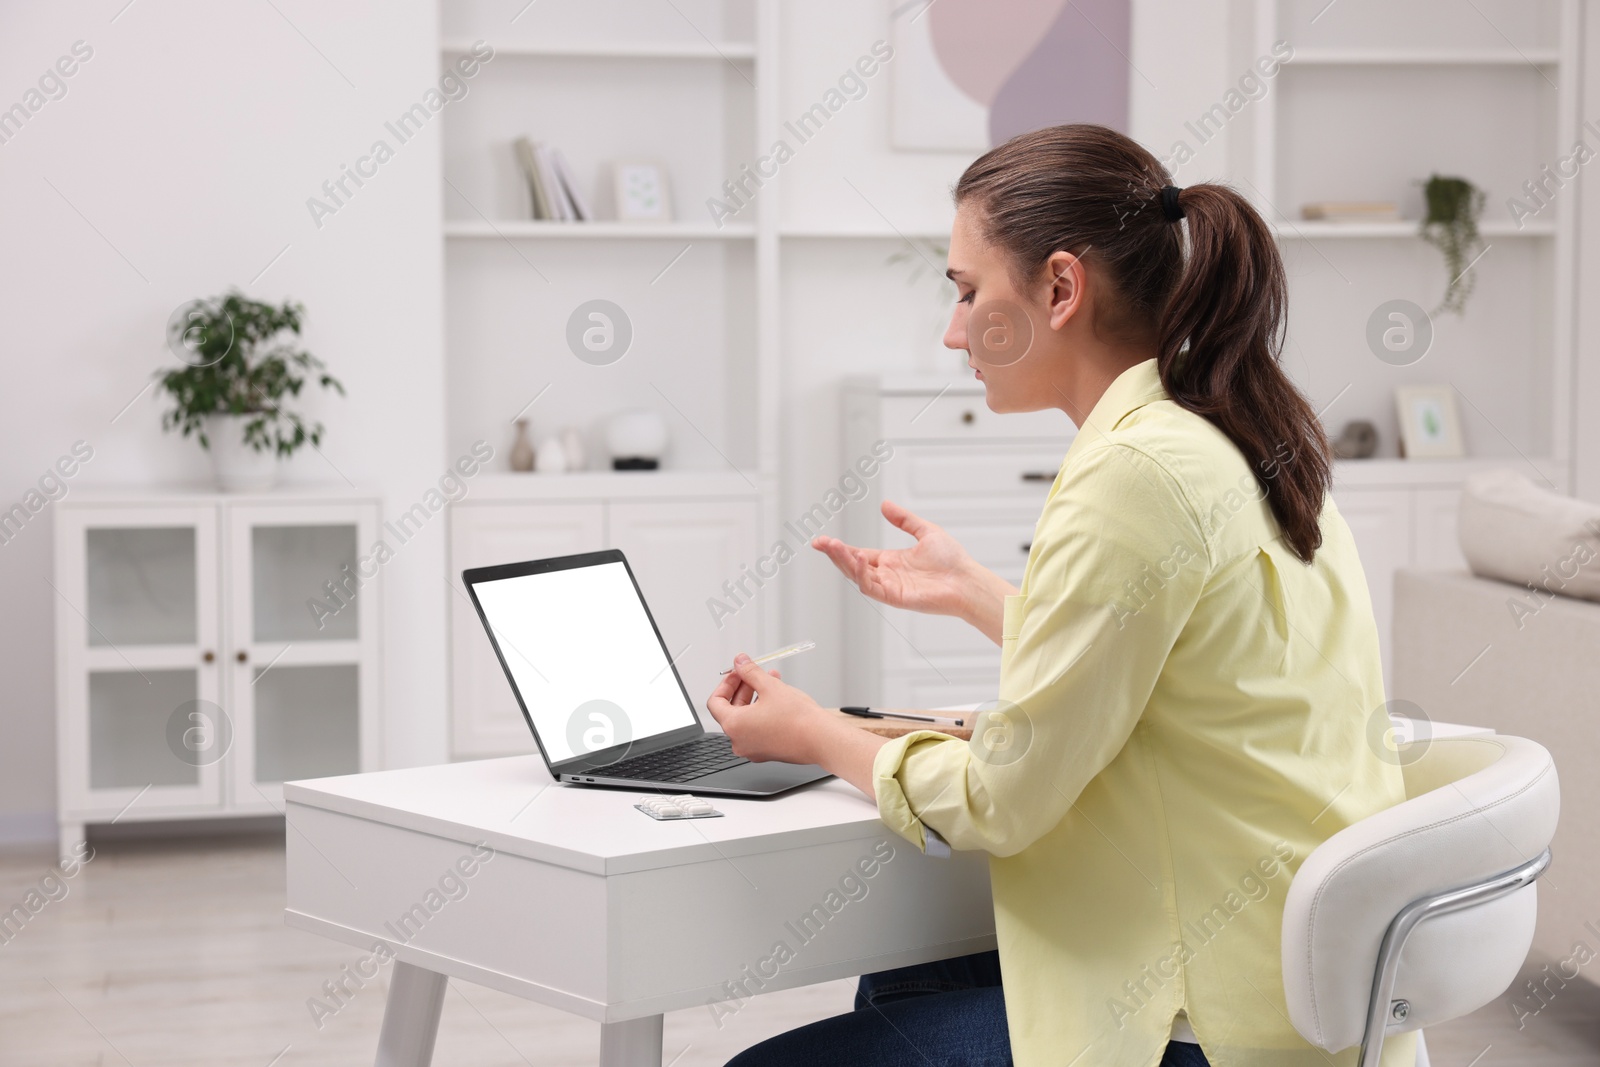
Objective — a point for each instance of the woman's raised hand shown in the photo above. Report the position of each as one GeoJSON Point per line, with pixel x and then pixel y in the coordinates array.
{"type": "Point", "coordinates": [935, 575]}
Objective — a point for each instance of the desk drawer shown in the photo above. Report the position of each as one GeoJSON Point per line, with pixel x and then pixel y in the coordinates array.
{"type": "Point", "coordinates": [917, 640]}
{"type": "Point", "coordinates": [998, 541]}
{"type": "Point", "coordinates": [967, 417]}
{"type": "Point", "coordinates": [912, 639]}
{"type": "Point", "coordinates": [948, 473]}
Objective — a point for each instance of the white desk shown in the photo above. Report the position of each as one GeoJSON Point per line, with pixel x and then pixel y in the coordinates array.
{"type": "Point", "coordinates": [592, 906]}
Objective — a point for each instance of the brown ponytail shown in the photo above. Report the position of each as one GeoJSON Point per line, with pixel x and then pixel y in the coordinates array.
{"type": "Point", "coordinates": [1214, 316]}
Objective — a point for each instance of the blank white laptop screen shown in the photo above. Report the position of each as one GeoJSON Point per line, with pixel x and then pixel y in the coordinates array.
{"type": "Point", "coordinates": [586, 660]}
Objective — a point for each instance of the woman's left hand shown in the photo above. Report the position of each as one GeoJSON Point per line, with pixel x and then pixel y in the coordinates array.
{"type": "Point", "coordinates": [783, 725]}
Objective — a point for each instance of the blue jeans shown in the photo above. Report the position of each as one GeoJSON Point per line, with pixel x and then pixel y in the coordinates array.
{"type": "Point", "coordinates": [951, 1013]}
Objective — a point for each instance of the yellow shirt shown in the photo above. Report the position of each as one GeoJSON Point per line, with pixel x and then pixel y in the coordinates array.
{"type": "Point", "coordinates": [1185, 712]}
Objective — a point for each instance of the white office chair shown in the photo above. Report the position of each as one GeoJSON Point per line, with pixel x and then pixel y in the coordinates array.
{"type": "Point", "coordinates": [1424, 912]}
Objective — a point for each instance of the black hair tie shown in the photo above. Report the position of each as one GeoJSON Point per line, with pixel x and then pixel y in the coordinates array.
{"type": "Point", "coordinates": [1169, 203]}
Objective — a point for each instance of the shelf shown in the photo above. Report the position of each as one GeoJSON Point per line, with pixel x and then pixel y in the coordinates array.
{"type": "Point", "coordinates": [1290, 229]}
{"type": "Point", "coordinates": [474, 229]}
{"type": "Point", "coordinates": [199, 493]}
{"type": "Point", "coordinates": [1404, 229]}
{"type": "Point", "coordinates": [1424, 473]}
{"type": "Point", "coordinates": [1425, 57]}
{"type": "Point", "coordinates": [742, 51]}
{"type": "Point", "coordinates": [613, 485]}
{"type": "Point", "coordinates": [864, 233]}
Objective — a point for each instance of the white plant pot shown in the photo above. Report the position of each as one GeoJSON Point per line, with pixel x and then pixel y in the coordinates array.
{"type": "Point", "coordinates": [240, 468]}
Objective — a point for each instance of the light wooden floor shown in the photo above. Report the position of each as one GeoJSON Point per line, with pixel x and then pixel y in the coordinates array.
{"type": "Point", "coordinates": [164, 954]}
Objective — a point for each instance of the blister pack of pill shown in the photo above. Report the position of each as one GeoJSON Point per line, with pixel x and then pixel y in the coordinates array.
{"type": "Point", "coordinates": [679, 807]}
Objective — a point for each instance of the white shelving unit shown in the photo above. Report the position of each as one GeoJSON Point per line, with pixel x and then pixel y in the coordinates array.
{"type": "Point", "coordinates": [1306, 229]}
{"type": "Point", "coordinates": [740, 51]}
{"type": "Point", "coordinates": [193, 678]}
{"type": "Point", "coordinates": [689, 85]}
{"type": "Point", "coordinates": [598, 231]}
{"type": "Point", "coordinates": [685, 85]}
{"type": "Point", "coordinates": [1377, 97]}
{"type": "Point", "coordinates": [1420, 57]}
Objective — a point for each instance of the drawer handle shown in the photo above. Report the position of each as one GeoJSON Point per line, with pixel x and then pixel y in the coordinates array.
{"type": "Point", "coordinates": [1038, 476]}
{"type": "Point", "coordinates": [968, 417]}
{"type": "Point", "coordinates": [1027, 546]}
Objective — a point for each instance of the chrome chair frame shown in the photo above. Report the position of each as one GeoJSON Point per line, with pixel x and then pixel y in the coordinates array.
{"type": "Point", "coordinates": [1380, 1009]}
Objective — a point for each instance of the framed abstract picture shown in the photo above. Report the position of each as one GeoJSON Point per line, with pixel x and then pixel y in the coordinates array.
{"type": "Point", "coordinates": [969, 74]}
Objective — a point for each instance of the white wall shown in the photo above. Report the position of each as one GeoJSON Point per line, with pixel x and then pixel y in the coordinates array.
{"type": "Point", "coordinates": [181, 158]}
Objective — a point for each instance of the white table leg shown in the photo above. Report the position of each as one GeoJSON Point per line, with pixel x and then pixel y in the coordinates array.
{"type": "Point", "coordinates": [411, 1017]}
{"type": "Point", "coordinates": [633, 1043]}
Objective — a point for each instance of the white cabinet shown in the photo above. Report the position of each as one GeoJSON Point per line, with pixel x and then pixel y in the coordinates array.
{"type": "Point", "coordinates": [682, 553]}
{"type": "Point", "coordinates": [1403, 515]}
{"type": "Point", "coordinates": [209, 648]}
{"type": "Point", "coordinates": [485, 716]}
{"type": "Point", "coordinates": [684, 535]}
{"type": "Point", "coordinates": [1436, 544]}
{"type": "Point", "coordinates": [1380, 523]}
{"type": "Point", "coordinates": [984, 478]}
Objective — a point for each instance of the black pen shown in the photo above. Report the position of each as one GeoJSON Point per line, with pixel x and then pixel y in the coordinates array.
{"type": "Point", "coordinates": [869, 713]}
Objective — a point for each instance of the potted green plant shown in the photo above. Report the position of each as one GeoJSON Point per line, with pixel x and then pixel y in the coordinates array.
{"type": "Point", "coordinates": [1451, 226]}
{"type": "Point", "coordinates": [240, 363]}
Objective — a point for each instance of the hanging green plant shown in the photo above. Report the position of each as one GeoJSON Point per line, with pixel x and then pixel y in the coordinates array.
{"type": "Point", "coordinates": [1451, 226]}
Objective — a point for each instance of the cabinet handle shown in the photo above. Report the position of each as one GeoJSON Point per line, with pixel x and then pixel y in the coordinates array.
{"type": "Point", "coordinates": [1027, 546]}
{"type": "Point", "coordinates": [241, 656]}
{"type": "Point", "coordinates": [209, 656]}
{"type": "Point", "coordinates": [1038, 476]}
{"type": "Point", "coordinates": [968, 418]}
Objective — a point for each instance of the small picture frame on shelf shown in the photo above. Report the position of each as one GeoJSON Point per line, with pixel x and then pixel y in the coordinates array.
{"type": "Point", "coordinates": [642, 192]}
{"type": "Point", "coordinates": [1430, 425]}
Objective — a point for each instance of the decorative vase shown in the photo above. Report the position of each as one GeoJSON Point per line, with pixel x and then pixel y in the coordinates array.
{"type": "Point", "coordinates": [522, 448]}
{"type": "Point", "coordinates": [572, 445]}
{"type": "Point", "coordinates": [240, 468]}
{"type": "Point", "coordinates": [552, 458]}
{"type": "Point", "coordinates": [636, 439]}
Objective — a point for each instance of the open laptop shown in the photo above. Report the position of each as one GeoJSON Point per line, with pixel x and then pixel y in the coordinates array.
{"type": "Point", "coordinates": [594, 680]}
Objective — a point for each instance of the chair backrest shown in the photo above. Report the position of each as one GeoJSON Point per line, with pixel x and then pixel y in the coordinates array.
{"type": "Point", "coordinates": [1478, 807]}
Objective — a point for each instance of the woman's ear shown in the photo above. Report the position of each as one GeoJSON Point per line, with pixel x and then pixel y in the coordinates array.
{"type": "Point", "coordinates": [1066, 278]}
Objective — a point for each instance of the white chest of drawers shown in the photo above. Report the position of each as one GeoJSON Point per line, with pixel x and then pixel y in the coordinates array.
{"type": "Point", "coordinates": [981, 476]}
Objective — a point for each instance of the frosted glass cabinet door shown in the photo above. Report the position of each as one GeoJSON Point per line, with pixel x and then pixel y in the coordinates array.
{"type": "Point", "coordinates": [141, 585]}
{"type": "Point", "coordinates": [303, 581]}
{"type": "Point", "coordinates": [140, 671]}
{"type": "Point", "coordinates": [143, 728]}
{"type": "Point", "coordinates": [306, 722]}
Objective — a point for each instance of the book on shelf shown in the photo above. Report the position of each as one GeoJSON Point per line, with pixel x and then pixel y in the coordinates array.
{"type": "Point", "coordinates": [1351, 211]}
{"type": "Point", "coordinates": [551, 186]}
{"type": "Point", "coordinates": [569, 186]}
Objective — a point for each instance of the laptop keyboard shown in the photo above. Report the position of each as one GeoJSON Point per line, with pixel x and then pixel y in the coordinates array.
{"type": "Point", "coordinates": [681, 763]}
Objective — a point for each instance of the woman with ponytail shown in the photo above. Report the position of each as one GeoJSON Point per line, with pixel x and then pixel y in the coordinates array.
{"type": "Point", "coordinates": [1190, 671]}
